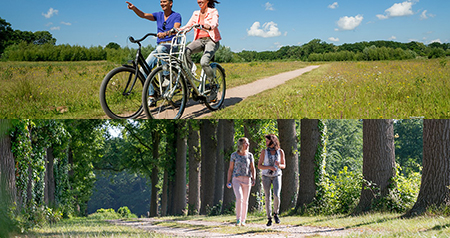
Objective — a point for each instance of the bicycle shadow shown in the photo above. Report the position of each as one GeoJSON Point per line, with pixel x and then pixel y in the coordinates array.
{"type": "Point", "coordinates": [195, 110]}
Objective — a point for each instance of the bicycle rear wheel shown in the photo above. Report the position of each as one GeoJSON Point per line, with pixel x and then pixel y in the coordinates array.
{"type": "Point", "coordinates": [120, 93]}
{"type": "Point", "coordinates": [169, 100]}
{"type": "Point", "coordinates": [215, 88]}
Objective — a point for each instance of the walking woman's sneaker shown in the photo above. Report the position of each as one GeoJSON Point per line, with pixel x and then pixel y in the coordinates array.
{"type": "Point", "coordinates": [277, 220]}
{"type": "Point", "coordinates": [269, 222]}
{"type": "Point", "coordinates": [238, 223]}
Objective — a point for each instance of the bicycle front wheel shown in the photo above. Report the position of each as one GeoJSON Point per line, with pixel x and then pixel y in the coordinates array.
{"type": "Point", "coordinates": [120, 93]}
{"type": "Point", "coordinates": [215, 88]}
{"type": "Point", "coordinates": [170, 94]}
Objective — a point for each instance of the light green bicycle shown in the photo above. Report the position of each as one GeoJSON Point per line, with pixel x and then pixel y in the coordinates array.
{"type": "Point", "coordinates": [174, 81]}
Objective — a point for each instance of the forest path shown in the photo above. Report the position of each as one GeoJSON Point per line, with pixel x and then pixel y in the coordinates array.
{"type": "Point", "coordinates": [199, 228]}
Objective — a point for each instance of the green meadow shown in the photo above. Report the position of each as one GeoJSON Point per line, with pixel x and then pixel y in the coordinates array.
{"type": "Point", "coordinates": [374, 89]}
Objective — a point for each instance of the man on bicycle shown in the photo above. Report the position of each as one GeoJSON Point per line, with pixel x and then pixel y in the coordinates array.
{"type": "Point", "coordinates": [165, 21]}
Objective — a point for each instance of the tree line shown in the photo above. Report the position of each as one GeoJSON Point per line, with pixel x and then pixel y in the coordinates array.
{"type": "Point", "coordinates": [16, 45]}
{"type": "Point", "coordinates": [48, 167]}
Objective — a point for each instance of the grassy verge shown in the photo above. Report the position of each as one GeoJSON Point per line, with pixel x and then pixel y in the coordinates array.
{"type": "Point", "coordinates": [370, 225]}
{"type": "Point", "coordinates": [88, 227]}
{"type": "Point", "coordinates": [355, 90]}
{"type": "Point", "coordinates": [61, 90]}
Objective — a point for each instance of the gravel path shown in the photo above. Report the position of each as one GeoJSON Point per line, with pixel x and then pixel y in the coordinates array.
{"type": "Point", "coordinates": [238, 94]}
{"type": "Point", "coordinates": [207, 229]}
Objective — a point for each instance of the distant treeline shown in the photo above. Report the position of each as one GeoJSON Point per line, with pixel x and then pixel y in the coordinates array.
{"type": "Point", "coordinates": [17, 45]}
{"type": "Point", "coordinates": [317, 50]}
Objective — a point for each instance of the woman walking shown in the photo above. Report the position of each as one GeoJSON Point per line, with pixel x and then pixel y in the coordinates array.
{"type": "Point", "coordinates": [271, 161]}
{"type": "Point", "coordinates": [242, 170]}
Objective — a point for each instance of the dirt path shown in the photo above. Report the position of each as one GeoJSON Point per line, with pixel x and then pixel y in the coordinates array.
{"type": "Point", "coordinates": [238, 94]}
{"type": "Point", "coordinates": [195, 228]}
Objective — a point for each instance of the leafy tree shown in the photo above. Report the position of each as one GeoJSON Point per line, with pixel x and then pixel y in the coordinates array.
{"type": "Point", "coordinates": [434, 189]}
{"type": "Point", "coordinates": [208, 139]}
{"type": "Point", "coordinates": [288, 142]}
{"type": "Point", "coordinates": [409, 144]}
{"type": "Point", "coordinates": [112, 45]}
{"type": "Point", "coordinates": [6, 34]}
{"type": "Point", "coordinates": [312, 162]}
{"type": "Point", "coordinates": [378, 163]}
{"type": "Point", "coordinates": [344, 148]}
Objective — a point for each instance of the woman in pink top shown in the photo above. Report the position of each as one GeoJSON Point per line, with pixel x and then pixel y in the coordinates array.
{"type": "Point", "coordinates": [208, 42]}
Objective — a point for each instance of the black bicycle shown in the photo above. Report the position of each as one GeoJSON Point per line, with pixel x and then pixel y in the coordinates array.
{"type": "Point", "coordinates": [121, 89]}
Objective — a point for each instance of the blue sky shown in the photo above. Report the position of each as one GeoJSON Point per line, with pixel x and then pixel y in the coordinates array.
{"type": "Point", "coordinates": [245, 25]}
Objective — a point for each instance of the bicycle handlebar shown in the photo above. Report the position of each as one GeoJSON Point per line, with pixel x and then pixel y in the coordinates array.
{"type": "Point", "coordinates": [197, 26]}
{"type": "Point", "coordinates": [132, 40]}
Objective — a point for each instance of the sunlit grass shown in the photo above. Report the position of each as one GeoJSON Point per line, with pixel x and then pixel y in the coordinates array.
{"type": "Point", "coordinates": [356, 90]}
{"type": "Point", "coordinates": [87, 227]}
{"type": "Point", "coordinates": [369, 225]}
{"type": "Point", "coordinates": [70, 89]}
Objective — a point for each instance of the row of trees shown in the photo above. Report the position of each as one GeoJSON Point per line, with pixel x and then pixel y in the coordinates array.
{"type": "Point", "coordinates": [9, 36]}
{"type": "Point", "coordinates": [318, 50]}
{"type": "Point", "coordinates": [49, 166]}
{"type": "Point", "coordinates": [16, 45]}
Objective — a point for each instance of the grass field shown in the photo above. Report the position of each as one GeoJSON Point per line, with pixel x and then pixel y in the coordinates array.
{"type": "Point", "coordinates": [356, 90]}
{"type": "Point", "coordinates": [379, 89]}
{"type": "Point", "coordinates": [371, 225]}
{"type": "Point", "coordinates": [61, 90]}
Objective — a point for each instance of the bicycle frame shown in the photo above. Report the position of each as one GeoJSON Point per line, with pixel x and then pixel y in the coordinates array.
{"type": "Point", "coordinates": [139, 61]}
{"type": "Point", "coordinates": [177, 58]}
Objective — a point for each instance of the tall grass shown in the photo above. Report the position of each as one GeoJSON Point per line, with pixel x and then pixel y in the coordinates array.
{"type": "Point", "coordinates": [70, 89]}
{"type": "Point", "coordinates": [356, 90]}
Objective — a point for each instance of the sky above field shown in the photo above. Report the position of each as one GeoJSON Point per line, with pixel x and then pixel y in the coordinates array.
{"type": "Point", "coordinates": [245, 25]}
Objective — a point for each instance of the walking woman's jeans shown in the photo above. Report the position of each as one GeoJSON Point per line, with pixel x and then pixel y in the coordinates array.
{"type": "Point", "coordinates": [276, 181]}
{"type": "Point", "coordinates": [241, 187]}
{"type": "Point", "coordinates": [209, 48]}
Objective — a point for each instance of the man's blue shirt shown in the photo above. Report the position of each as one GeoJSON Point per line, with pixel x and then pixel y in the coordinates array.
{"type": "Point", "coordinates": [171, 20]}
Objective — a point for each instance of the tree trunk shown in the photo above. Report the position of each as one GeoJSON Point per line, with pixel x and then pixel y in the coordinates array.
{"type": "Point", "coordinates": [154, 176]}
{"type": "Point", "coordinates": [164, 195]}
{"type": "Point", "coordinates": [7, 165]}
{"type": "Point", "coordinates": [228, 147]}
{"type": "Point", "coordinates": [194, 169]}
{"type": "Point", "coordinates": [255, 199]}
{"type": "Point", "coordinates": [219, 183]}
{"type": "Point", "coordinates": [378, 161]}
{"type": "Point", "coordinates": [310, 139]}
{"type": "Point", "coordinates": [288, 142]}
{"type": "Point", "coordinates": [209, 146]}
{"type": "Point", "coordinates": [434, 188]}
{"type": "Point", "coordinates": [49, 194]}
{"type": "Point", "coordinates": [180, 172]}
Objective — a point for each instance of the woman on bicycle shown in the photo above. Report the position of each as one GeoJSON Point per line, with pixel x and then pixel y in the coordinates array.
{"type": "Point", "coordinates": [271, 161]}
{"type": "Point", "coordinates": [206, 41]}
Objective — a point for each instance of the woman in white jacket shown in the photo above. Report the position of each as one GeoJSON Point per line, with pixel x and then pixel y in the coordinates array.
{"type": "Point", "coordinates": [206, 41]}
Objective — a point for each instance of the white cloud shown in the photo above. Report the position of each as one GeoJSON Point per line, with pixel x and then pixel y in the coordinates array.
{"type": "Point", "coordinates": [349, 23]}
{"type": "Point", "coordinates": [56, 28]}
{"type": "Point", "coordinates": [392, 38]}
{"type": "Point", "coordinates": [333, 39]}
{"type": "Point", "coordinates": [334, 5]}
{"type": "Point", "coordinates": [66, 23]}
{"type": "Point", "coordinates": [426, 15]}
{"type": "Point", "coordinates": [398, 10]}
{"type": "Point", "coordinates": [269, 29]}
{"type": "Point", "coordinates": [437, 40]}
{"type": "Point", "coordinates": [51, 12]}
{"type": "Point", "coordinates": [269, 6]}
